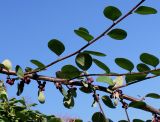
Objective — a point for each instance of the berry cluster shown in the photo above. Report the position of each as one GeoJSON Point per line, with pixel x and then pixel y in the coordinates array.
{"type": "Point", "coordinates": [10, 81]}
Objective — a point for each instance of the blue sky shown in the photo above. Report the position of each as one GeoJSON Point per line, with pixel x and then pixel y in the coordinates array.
{"type": "Point", "coordinates": [27, 26]}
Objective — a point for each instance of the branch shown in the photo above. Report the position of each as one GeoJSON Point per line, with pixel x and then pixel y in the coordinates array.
{"type": "Point", "coordinates": [91, 42]}
{"type": "Point", "coordinates": [73, 83]}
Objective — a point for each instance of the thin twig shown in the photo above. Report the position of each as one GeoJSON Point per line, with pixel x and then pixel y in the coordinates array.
{"type": "Point", "coordinates": [91, 42]}
{"type": "Point", "coordinates": [77, 83]}
{"type": "Point", "coordinates": [127, 115]}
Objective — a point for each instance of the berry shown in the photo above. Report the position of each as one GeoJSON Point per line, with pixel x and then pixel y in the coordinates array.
{"type": "Point", "coordinates": [27, 80]}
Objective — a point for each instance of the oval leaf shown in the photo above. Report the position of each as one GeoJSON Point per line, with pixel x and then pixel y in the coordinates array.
{"type": "Point", "coordinates": [105, 79]}
{"type": "Point", "coordinates": [84, 33]}
{"type": "Point", "coordinates": [68, 71]}
{"type": "Point", "coordinates": [142, 67]}
{"type": "Point", "coordinates": [19, 71]}
{"type": "Point", "coordinates": [56, 46]}
{"type": "Point", "coordinates": [41, 97]}
{"type": "Point", "coordinates": [20, 88]}
{"type": "Point", "coordinates": [117, 34]}
{"type": "Point", "coordinates": [38, 63]}
{"type": "Point", "coordinates": [7, 64]}
{"type": "Point", "coordinates": [153, 95]}
{"type": "Point", "coordinates": [83, 61]}
{"type": "Point", "coordinates": [134, 77]}
{"type": "Point", "coordinates": [118, 81]}
{"type": "Point", "coordinates": [101, 65]}
{"type": "Point", "coordinates": [85, 90]}
{"type": "Point", "coordinates": [149, 59]}
{"type": "Point", "coordinates": [124, 63]}
{"type": "Point", "coordinates": [94, 53]}
{"type": "Point", "coordinates": [98, 117]}
{"type": "Point", "coordinates": [138, 104]}
{"type": "Point", "coordinates": [68, 102]}
{"type": "Point", "coordinates": [145, 10]}
{"type": "Point", "coordinates": [112, 13]}
{"type": "Point", "coordinates": [138, 120]}
{"type": "Point", "coordinates": [107, 101]}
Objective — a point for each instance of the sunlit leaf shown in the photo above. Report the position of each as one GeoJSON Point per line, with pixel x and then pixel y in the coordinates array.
{"type": "Point", "coordinates": [107, 101]}
{"type": "Point", "coordinates": [64, 92]}
{"type": "Point", "coordinates": [56, 46]}
{"type": "Point", "coordinates": [105, 79]}
{"type": "Point", "coordinates": [83, 61]}
{"type": "Point", "coordinates": [19, 71]}
{"type": "Point", "coordinates": [118, 81]}
{"type": "Point", "coordinates": [149, 59]}
{"type": "Point", "coordinates": [153, 95]}
{"type": "Point", "coordinates": [95, 53]}
{"type": "Point", "coordinates": [112, 13]}
{"type": "Point", "coordinates": [101, 65]}
{"type": "Point", "coordinates": [41, 97]}
{"type": "Point", "coordinates": [7, 63]}
{"type": "Point", "coordinates": [124, 63]}
{"type": "Point", "coordinates": [117, 34]}
{"type": "Point", "coordinates": [84, 33]}
{"type": "Point", "coordinates": [145, 10]}
{"type": "Point", "coordinates": [68, 102]}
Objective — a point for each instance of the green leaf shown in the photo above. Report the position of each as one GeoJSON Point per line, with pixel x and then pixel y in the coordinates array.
{"type": "Point", "coordinates": [107, 101]}
{"type": "Point", "coordinates": [54, 119]}
{"type": "Point", "coordinates": [134, 77]}
{"type": "Point", "coordinates": [153, 95]}
{"type": "Point", "coordinates": [95, 53]}
{"type": "Point", "coordinates": [68, 72]}
{"type": "Point", "coordinates": [73, 92]}
{"type": "Point", "coordinates": [149, 59]}
{"type": "Point", "coordinates": [122, 121]}
{"type": "Point", "coordinates": [7, 64]}
{"type": "Point", "coordinates": [145, 10]}
{"type": "Point", "coordinates": [56, 46]}
{"type": "Point", "coordinates": [138, 104]}
{"type": "Point", "coordinates": [112, 13]}
{"type": "Point", "coordinates": [101, 65]}
{"type": "Point", "coordinates": [85, 90]}
{"type": "Point", "coordinates": [19, 72]}
{"type": "Point", "coordinates": [83, 61]}
{"type": "Point", "coordinates": [98, 117]}
{"type": "Point", "coordinates": [143, 67]}
{"type": "Point", "coordinates": [156, 72]}
{"type": "Point", "coordinates": [138, 120]}
{"type": "Point", "coordinates": [38, 63]}
{"type": "Point", "coordinates": [20, 88]}
{"type": "Point", "coordinates": [124, 63]}
{"type": "Point", "coordinates": [68, 102]}
{"type": "Point", "coordinates": [118, 81]}
{"type": "Point", "coordinates": [64, 92]}
{"type": "Point", "coordinates": [84, 33]}
{"type": "Point", "coordinates": [78, 120]}
{"type": "Point", "coordinates": [105, 79]}
{"type": "Point", "coordinates": [41, 97]}
{"type": "Point", "coordinates": [117, 34]}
